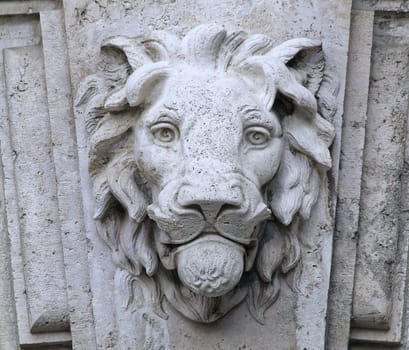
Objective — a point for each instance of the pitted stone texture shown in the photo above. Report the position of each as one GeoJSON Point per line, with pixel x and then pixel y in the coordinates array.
{"type": "Point", "coordinates": [298, 319]}
{"type": "Point", "coordinates": [183, 210]}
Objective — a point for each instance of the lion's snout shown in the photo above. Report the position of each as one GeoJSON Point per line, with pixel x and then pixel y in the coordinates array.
{"type": "Point", "coordinates": [231, 208]}
{"type": "Point", "coordinates": [210, 198]}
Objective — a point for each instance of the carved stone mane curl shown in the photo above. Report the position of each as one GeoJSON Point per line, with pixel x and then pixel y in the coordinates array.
{"type": "Point", "coordinates": [285, 78]}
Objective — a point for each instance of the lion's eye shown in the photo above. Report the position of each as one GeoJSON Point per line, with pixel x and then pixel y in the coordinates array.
{"type": "Point", "coordinates": [165, 132]}
{"type": "Point", "coordinates": [257, 135]}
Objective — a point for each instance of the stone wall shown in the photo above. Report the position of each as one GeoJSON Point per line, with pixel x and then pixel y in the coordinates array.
{"type": "Point", "coordinates": [203, 227]}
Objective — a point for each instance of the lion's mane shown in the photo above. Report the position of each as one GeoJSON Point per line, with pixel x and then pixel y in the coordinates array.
{"type": "Point", "coordinates": [287, 77]}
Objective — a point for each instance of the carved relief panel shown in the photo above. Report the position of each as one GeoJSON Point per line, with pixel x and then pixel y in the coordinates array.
{"type": "Point", "coordinates": [139, 61]}
{"type": "Point", "coordinates": [182, 200]}
{"type": "Point", "coordinates": [371, 285]}
{"type": "Point", "coordinates": [207, 154]}
{"type": "Point", "coordinates": [48, 298]}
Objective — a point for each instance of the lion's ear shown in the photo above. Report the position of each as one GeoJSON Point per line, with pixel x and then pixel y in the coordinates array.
{"type": "Point", "coordinates": [143, 86]}
{"type": "Point", "coordinates": [298, 71]}
{"type": "Point", "coordinates": [293, 69]}
{"type": "Point", "coordinates": [304, 58]}
{"type": "Point", "coordinates": [132, 48]}
{"type": "Point", "coordinates": [305, 128]}
{"type": "Point", "coordinates": [159, 46]}
{"type": "Point", "coordinates": [307, 134]}
{"type": "Point", "coordinates": [148, 60]}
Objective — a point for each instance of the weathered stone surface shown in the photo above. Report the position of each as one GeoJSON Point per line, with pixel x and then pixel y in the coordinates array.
{"type": "Point", "coordinates": [347, 224]}
{"type": "Point", "coordinates": [35, 183]}
{"type": "Point", "coordinates": [378, 276]}
{"type": "Point", "coordinates": [382, 252]}
{"type": "Point", "coordinates": [184, 211]}
{"type": "Point", "coordinates": [34, 308]}
{"type": "Point", "coordinates": [84, 21]}
{"type": "Point", "coordinates": [381, 186]}
{"type": "Point", "coordinates": [68, 288]}
{"type": "Point", "coordinates": [67, 176]}
{"type": "Point", "coordinates": [8, 320]}
{"type": "Point", "coordinates": [39, 156]}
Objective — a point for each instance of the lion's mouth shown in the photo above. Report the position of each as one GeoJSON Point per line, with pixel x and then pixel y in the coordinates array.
{"type": "Point", "coordinates": [211, 265]}
{"type": "Point", "coordinates": [238, 225]}
{"type": "Point", "coordinates": [209, 244]}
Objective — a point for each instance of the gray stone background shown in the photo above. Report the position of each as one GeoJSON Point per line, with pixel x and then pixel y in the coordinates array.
{"type": "Point", "coordinates": [56, 290]}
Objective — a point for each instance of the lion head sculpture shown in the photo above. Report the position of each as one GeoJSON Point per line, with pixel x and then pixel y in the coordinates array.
{"type": "Point", "coordinates": [206, 154]}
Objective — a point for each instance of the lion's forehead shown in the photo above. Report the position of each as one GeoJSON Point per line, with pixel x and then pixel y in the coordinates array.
{"type": "Point", "coordinates": [210, 102]}
{"type": "Point", "coordinates": [205, 93]}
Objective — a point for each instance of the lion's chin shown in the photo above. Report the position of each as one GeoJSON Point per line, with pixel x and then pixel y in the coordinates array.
{"type": "Point", "coordinates": [211, 265]}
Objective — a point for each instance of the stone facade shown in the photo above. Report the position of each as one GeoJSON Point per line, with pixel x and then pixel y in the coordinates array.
{"type": "Point", "coordinates": [203, 175]}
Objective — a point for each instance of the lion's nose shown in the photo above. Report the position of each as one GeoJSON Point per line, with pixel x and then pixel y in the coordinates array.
{"type": "Point", "coordinates": [210, 199]}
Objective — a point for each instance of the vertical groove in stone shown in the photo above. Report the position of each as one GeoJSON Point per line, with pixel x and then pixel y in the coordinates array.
{"type": "Point", "coordinates": [67, 174]}
{"type": "Point", "coordinates": [35, 182]}
{"type": "Point", "coordinates": [379, 289]}
{"type": "Point", "coordinates": [18, 32]}
{"type": "Point", "coordinates": [347, 218]}
{"type": "Point", "coordinates": [8, 317]}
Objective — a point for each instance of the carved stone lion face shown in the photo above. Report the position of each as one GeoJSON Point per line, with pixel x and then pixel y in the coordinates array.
{"type": "Point", "coordinates": [208, 148]}
{"type": "Point", "coordinates": [206, 155]}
